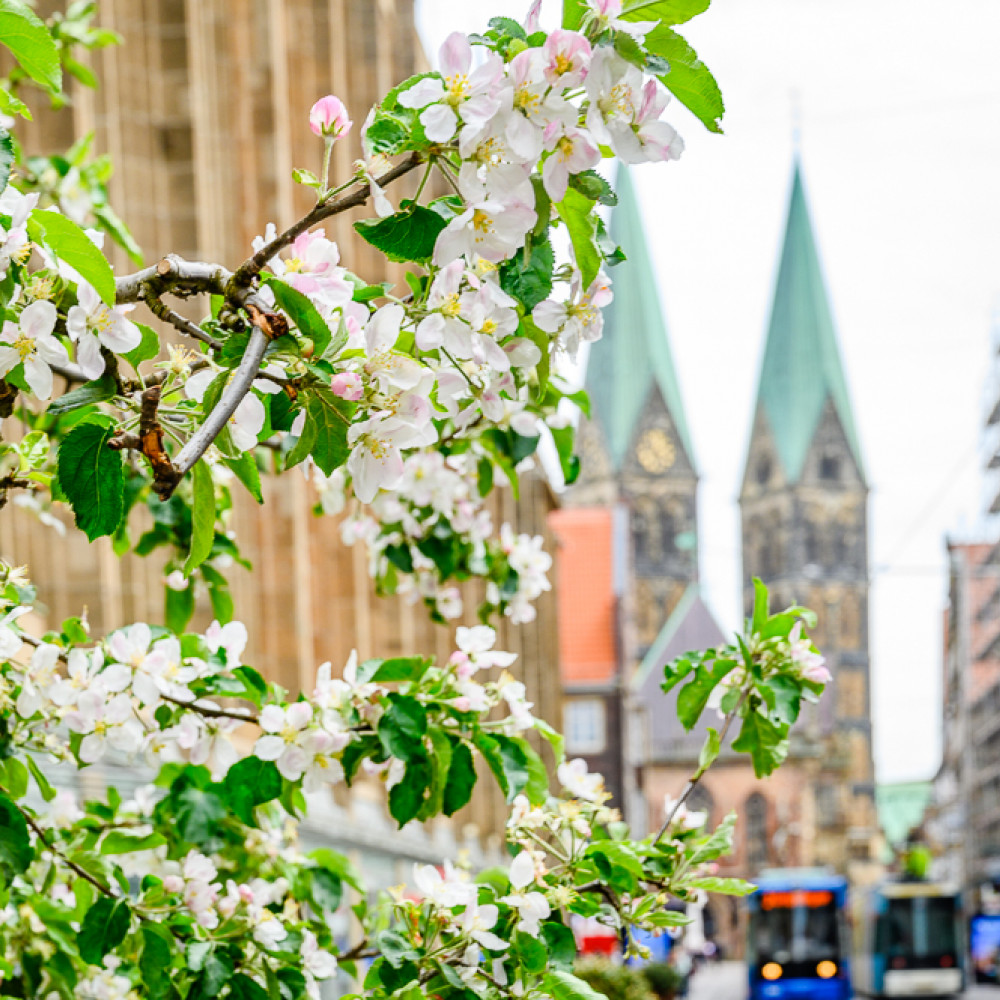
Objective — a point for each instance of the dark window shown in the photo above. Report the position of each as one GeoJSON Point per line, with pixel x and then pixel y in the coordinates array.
{"type": "Point", "coordinates": [756, 814]}
{"type": "Point", "coordinates": [763, 471]}
{"type": "Point", "coordinates": [829, 467]}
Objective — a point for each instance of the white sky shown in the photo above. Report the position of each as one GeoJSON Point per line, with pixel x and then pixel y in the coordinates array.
{"type": "Point", "coordinates": [900, 109]}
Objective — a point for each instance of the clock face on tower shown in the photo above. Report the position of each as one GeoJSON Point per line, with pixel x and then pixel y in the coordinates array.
{"type": "Point", "coordinates": [655, 451]}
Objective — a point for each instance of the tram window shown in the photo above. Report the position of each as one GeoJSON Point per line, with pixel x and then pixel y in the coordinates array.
{"type": "Point", "coordinates": [894, 936]}
{"type": "Point", "coordinates": [918, 928]}
{"type": "Point", "coordinates": [941, 925]}
{"type": "Point", "coordinates": [796, 934]}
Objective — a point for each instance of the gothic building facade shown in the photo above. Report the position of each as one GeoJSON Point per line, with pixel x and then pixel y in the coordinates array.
{"type": "Point", "coordinates": [803, 503]}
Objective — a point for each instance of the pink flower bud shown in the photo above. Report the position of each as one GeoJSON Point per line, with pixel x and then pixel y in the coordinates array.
{"type": "Point", "coordinates": [173, 883]}
{"type": "Point", "coordinates": [328, 117]}
{"type": "Point", "coordinates": [347, 385]}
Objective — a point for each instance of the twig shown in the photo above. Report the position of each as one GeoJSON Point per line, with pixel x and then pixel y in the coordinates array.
{"type": "Point", "coordinates": [82, 872]}
{"type": "Point", "coordinates": [697, 776]}
{"type": "Point", "coordinates": [210, 712]}
{"type": "Point", "coordinates": [252, 266]}
{"type": "Point", "coordinates": [162, 311]}
{"type": "Point", "coordinates": [360, 950]}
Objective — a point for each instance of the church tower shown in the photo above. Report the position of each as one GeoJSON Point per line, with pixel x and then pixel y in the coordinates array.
{"type": "Point", "coordinates": [636, 449]}
{"type": "Point", "coordinates": [804, 512]}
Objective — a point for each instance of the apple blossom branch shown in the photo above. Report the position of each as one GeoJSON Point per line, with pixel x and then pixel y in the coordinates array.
{"type": "Point", "coordinates": [252, 266]}
{"type": "Point", "coordinates": [183, 278]}
{"type": "Point", "coordinates": [699, 774]}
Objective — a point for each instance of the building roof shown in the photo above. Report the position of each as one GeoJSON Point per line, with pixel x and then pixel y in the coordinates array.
{"type": "Point", "coordinates": [802, 367]}
{"type": "Point", "coordinates": [901, 807]}
{"type": "Point", "coordinates": [634, 354]}
{"type": "Point", "coordinates": [586, 595]}
{"type": "Point", "coordinates": [691, 626]}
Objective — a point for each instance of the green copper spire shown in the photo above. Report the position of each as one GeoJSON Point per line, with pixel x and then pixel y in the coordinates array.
{"type": "Point", "coordinates": [634, 353]}
{"type": "Point", "coordinates": [802, 366]}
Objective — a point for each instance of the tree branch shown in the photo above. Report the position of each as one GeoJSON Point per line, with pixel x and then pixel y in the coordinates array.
{"type": "Point", "coordinates": [82, 872]}
{"type": "Point", "coordinates": [173, 274]}
{"type": "Point", "coordinates": [162, 311]}
{"type": "Point", "coordinates": [252, 266]}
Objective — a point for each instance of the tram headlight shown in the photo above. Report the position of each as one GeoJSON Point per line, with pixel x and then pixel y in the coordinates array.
{"type": "Point", "coordinates": [771, 971]}
{"type": "Point", "coordinates": [826, 970]}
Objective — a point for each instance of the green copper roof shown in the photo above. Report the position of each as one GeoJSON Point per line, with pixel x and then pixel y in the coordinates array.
{"type": "Point", "coordinates": [802, 365]}
{"type": "Point", "coordinates": [634, 353]}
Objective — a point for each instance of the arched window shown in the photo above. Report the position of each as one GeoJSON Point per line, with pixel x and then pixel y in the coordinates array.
{"type": "Point", "coordinates": [763, 470]}
{"type": "Point", "coordinates": [756, 814]}
{"type": "Point", "coordinates": [829, 467]}
{"type": "Point", "coordinates": [700, 800]}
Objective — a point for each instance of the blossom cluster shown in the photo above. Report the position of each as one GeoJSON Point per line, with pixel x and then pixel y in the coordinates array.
{"type": "Point", "coordinates": [375, 388]}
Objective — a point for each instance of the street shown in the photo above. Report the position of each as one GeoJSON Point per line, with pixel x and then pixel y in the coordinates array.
{"type": "Point", "coordinates": [727, 981]}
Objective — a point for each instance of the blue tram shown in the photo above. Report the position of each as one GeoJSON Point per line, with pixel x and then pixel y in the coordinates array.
{"type": "Point", "coordinates": [909, 941]}
{"type": "Point", "coordinates": [797, 944]}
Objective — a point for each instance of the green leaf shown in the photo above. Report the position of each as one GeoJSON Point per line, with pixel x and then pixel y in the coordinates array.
{"type": "Point", "coordinates": [154, 963]}
{"type": "Point", "coordinates": [664, 11]}
{"type": "Point", "coordinates": [787, 698]}
{"type": "Point", "coordinates": [573, 11]}
{"type": "Point", "coordinates": [202, 517]}
{"type": "Point", "coordinates": [117, 842]}
{"type": "Point", "coordinates": [242, 987]}
{"type": "Point", "coordinates": [250, 783]}
{"type": "Point", "coordinates": [324, 435]}
{"type": "Point", "coordinates": [710, 751]}
{"type": "Point", "coordinates": [577, 211]}
{"type": "Point", "coordinates": [560, 944]}
{"type": "Point", "coordinates": [14, 776]}
{"type": "Point", "coordinates": [405, 236]}
{"type": "Point", "coordinates": [303, 313]}
{"type": "Point", "coordinates": [561, 985]}
{"type": "Point", "coordinates": [727, 886]}
{"type": "Point", "coordinates": [109, 221]}
{"type": "Point", "coordinates": [399, 668]}
{"type": "Point", "coordinates": [87, 394]}
{"type": "Point", "coordinates": [16, 852]}
{"type": "Point", "coordinates": [6, 157]}
{"type": "Point", "coordinates": [694, 695]}
{"type": "Point", "coordinates": [325, 888]}
{"type": "Point", "coordinates": [461, 779]}
{"type": "Point", "coordinates": [760, 608]}
{"type": "Point", "coordinates": [407, 797]}
{"type": "Point", "coordinates": [71, 244]}
{"type": "Point", "coordinates": [103, 929]}
{"type": "Point", "coordinates": [568, 462]}
{"type": "Point", "coordinates": [716, 844]}
{"type": "Point", "coordinates": [45, 788]}
{"type": "Point", "coordinates": [402, 727]}
{"type": "Point", "coordinates": [395, 948]}
{"type": "Point", "coordinates": [338, 864]}
{"type": "Point", "coordinates": [247, 473]}
{"type": "Point", "coordinates": [763, 741]}
{"type": "Point", "coordinates": [11, 105]}
{"type": "Point", "coordinates": [178, 607]}
{"type": "Point", "coordinates": [148, 347]}
{"type": "Point", "coordinates": [528, 276]}
{"type": "Point", "coordinates": [689, 79]}
{"type": "Point", "coordinates": [90, 475]}
{"type": "Point", "coordinates": [441, 747]}
{"type": "Point", "coordinates": [508, 760]}
{"type": "Point", "coordinates": [32, 46]}
{"type": "Point", "coordinates": [593, 186]}
{"type": "Point", "coordinates": [386, 135]}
